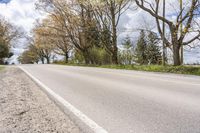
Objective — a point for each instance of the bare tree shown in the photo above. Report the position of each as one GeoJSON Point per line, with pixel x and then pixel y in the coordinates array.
{"type": "Point", "coordinates": [8, 35]}
{"type": "Point", "coordinates": [43, 44]}
{"type": "Point", "coordinates": [76, 21]}
{"type": "Point", "coordinates": [55, 24]}
{"type": "Point", "coordinates": [109, 13]}
{"type": "Point", "coordinates": [186, 16]}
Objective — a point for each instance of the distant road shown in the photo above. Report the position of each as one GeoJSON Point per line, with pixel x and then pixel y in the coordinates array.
{"type": "Point", "coordinates": [124, 101]}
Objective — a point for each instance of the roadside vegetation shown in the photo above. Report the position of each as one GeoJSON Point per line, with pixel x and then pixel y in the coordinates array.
{"type": "Point", "coordinates": [1, 67]}
{"type": "Point", "coordinates": [87, 32]}
{"type": "Point", "coordinates": [188, 70]}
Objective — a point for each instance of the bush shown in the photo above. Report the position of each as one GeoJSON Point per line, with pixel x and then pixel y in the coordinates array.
{"type": "Point", "coordinates": [99, 56]}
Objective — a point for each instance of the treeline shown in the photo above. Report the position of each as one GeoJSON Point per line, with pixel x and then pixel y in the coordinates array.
{"type": "Point", "coordinates": [85, 31]}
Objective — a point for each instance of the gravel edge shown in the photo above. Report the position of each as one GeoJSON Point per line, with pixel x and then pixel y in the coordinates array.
{"type": "Point", "coordinates": [25, 108]}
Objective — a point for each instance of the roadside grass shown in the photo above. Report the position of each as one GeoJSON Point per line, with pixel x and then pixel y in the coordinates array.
{"type": "Point", "coordinates": [1, 67]}
{"type": "Point", "coordinates": [189, 70]}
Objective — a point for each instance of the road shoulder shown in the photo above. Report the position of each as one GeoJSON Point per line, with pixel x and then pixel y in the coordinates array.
{"type": "Point", "coordinates": [25, 108]}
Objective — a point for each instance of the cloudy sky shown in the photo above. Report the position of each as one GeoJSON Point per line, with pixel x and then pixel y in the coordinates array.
{"type": "Point", "coordinates": [23, 14]}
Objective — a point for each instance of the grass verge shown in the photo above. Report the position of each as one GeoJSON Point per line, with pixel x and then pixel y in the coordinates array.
{"type": "Point", "coordinates": [189, 70]}
{"type": "Point", "coordinates": [1, 67]}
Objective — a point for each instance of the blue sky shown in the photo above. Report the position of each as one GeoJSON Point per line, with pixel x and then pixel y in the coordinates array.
{"type": "Point", "coordinates": [5, 1]}
{"type": "Point", "coordinates": [22, 13]}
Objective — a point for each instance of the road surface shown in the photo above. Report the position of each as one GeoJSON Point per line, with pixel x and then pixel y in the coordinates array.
{"type": "Point", "coordinates": [124, 101]}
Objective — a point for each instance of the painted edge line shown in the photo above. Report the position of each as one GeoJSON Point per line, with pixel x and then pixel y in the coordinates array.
{"type": "Point", "coordinates": [93, 127]}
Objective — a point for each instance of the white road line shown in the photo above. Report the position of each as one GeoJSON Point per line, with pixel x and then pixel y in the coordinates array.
{"type": "Point", "coordinates": [93, 127]}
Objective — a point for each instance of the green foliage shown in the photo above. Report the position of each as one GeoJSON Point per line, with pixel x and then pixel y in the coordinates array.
{"type": "Point", "coordinates": [126, 55]}
{"type": "Point", "coordinates": [4, 52]}
{"type": "Point", "coordinates": [78, 58]}
{"type": "Point", "coordinates": [92, 35]}
{"type": "Point", "coordinates": [153, 50]}
{"type": "Point", "coordinates": [95, 55]}
{"type": "Point", "coordinates": [141, 46]}
{"type": "Point", "coordinates": [105, 39]}
{"type": "Point", "coordinates": [147, 50]}
{"type": "Point", "coordinates": [29, 57]}
{"type": "Point", "coordinates": [99, 56]}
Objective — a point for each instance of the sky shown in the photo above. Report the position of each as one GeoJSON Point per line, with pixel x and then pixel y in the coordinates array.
{"type": "Point", "coordinates": [5, 1]}
{"type": "Point", "coordinates": [22, 13]}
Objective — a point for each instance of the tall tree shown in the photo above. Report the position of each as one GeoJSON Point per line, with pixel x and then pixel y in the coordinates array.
{"type": "Point", "coordinates": [88, 22]}
{"type": "Point", "coordinates": [78, 23]}
{"type": "Point", "coordinates": [4, 52]}
{"type": "Point", "coordinates": [59, 37]}
{"type": "Point", "coordinates": [126, 55]}
{"type": "Point", "coordinates": [140, 50]}
{"type": "Point", "coordinates": [189, 14]}
{"type": "Point", "coordinates": [108, 13]}
{"type": "Point", "coordinates": [153, 51]}
{"type": "Point", "coordinates": [29, 56]}
{"type": "Point", "coordinates": [43, 43]}
{"type": "Point", "coordinates": [8, 34]}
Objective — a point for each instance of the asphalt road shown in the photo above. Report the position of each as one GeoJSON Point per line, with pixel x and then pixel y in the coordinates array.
{"type": "Point", "coordinates": [123, 101]}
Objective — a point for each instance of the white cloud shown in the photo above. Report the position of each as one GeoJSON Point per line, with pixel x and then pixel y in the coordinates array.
{"type": "Point", "coordinates": [20, 12]}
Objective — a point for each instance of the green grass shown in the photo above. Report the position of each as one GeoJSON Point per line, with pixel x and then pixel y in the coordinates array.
{"type": "Point", "coordinates": [189, 70]}
{"type": "Point", "coordinates": [1, 68]}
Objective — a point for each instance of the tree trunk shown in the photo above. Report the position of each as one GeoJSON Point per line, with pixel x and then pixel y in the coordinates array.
{"type": "Point", "coordinates": [42, 59]}
{"type": "Point", "coordinates": [86, 56]}
{"type": "Point", "coordinates": [66, 57]}
{"type": "Point", "coordinates": [87, 61]}
{"type": "Point", "coordinates": [114, 39]}
{"type": "Point", "coordinates": [115, 48]}
{"type": "Point", "coordinates": [48, 60]}
{"type": "Point", "coordinates": [176, 55]}
{"type": "Point", "coordinates": [1, 61]}
{"type": "Point", "coordinates": [115, 56]}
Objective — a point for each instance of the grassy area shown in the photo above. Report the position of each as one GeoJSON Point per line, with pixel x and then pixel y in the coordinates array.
{"type": "Point", "coordinates": [1, 67]}
{"type": "Point", "coordinates": [190, 70]}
